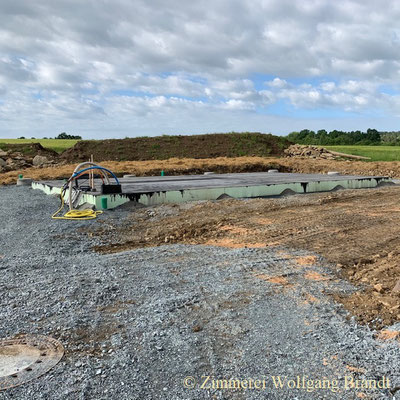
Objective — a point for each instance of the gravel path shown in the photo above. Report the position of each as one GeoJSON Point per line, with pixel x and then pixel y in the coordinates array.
{"type": "Point", "coordinates": [136, 324]}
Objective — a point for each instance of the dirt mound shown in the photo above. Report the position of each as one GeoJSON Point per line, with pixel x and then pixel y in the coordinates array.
{"type": "Point", "coordinates": [165, 147]}
{"type": "Point", "coordinates": [29, 149]}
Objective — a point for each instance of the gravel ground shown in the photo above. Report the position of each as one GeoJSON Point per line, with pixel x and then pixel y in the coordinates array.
{"type": "Point", "coordinates": [136, 324]}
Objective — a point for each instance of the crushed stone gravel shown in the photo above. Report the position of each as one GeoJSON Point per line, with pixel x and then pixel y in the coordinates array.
{"type": "Point", "coordinates": [154, 323]}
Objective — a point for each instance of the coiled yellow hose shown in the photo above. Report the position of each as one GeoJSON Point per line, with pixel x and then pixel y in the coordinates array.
{"type": "Point", "coordinates": [75, 214]}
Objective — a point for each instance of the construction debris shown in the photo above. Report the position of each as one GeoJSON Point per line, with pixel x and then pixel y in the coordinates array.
{"type": "Point", "coordinates": [20, 156]}
{"type": "Point", "coordinates": [304, 151]}
{"type": "Point", "coordinates": [11, 161]}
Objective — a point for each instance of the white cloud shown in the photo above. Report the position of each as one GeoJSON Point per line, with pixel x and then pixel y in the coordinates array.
{"type": "Point", "coordinates": [66, 61]}
{"type": "Point", "coordinates": [234, 104]}
{"type": "Point", "coordinates": [277, 83]}
{"type": "Point", "coordinates": [328, 86]}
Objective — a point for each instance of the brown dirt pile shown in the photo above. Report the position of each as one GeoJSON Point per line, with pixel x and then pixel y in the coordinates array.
{"type": "Point", "coordinates": [357, 230]}
{"type": "Point", "coordinates": [190, 146]}
{"type": "Point", "coordinates": [29, 149]}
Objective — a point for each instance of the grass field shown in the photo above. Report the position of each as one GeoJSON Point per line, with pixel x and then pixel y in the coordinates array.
{"type": "Point", "coordinates": [377, 153]}
{"type": "Point", "coordinates": [58, 145]}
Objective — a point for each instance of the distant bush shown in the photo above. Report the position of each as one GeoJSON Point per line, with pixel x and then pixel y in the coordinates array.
{"type": "Point", "coordinates": [66, 136]}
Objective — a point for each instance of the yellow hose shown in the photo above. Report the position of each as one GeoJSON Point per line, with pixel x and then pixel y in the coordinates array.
{"type": "Point", "coordinates": [75, 214]}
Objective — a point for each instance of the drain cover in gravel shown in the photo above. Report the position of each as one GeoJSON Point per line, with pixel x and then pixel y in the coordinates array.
{"type": "Point", "coordinates": [26, 358]}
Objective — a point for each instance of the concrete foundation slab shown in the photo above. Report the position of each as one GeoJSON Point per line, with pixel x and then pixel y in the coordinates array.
{"type": "Point", "coordinates": [175, 189]}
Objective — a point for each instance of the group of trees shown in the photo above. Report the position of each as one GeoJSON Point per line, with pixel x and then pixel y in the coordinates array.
{"type": "Point", "coordinates": [390, 138]}
{"type": "Point", "coordinates": [322, 137]}
{"type": "Point", "coordinates": [66, 136]}
{"type": "Point", "coordinates": [62, 135]}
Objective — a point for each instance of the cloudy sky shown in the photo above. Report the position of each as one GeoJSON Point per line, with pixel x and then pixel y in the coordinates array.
{"type": "Point", "coordinates": [116, 68]}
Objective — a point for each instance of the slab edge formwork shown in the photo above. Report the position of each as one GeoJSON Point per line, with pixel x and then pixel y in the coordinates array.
{"type": "Point", "coordinates": [213, 193]}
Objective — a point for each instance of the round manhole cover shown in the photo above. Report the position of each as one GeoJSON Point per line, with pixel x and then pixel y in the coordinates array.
{"type": "Point", "coordinates": [26, 358]}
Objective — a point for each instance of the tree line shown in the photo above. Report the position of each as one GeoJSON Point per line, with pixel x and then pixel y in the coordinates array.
{"type": "Point", "coordinates": [62, 135]}
{"type": "Point", "coordinates": [335, 137]}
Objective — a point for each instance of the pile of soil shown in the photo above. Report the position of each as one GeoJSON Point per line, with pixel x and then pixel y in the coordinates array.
{"type": "Point", "coordinates": [356, 230]}
{"type": "Point", "coordinates": [165, 147]}
{"type": "Point", "coordinates": [29, 150]}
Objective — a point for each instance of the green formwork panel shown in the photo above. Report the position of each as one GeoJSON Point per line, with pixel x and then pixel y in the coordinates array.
{"type": "Point", "coordinates": [101, 201]}
{"type": "Point", "coordinates": [250, 191]}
